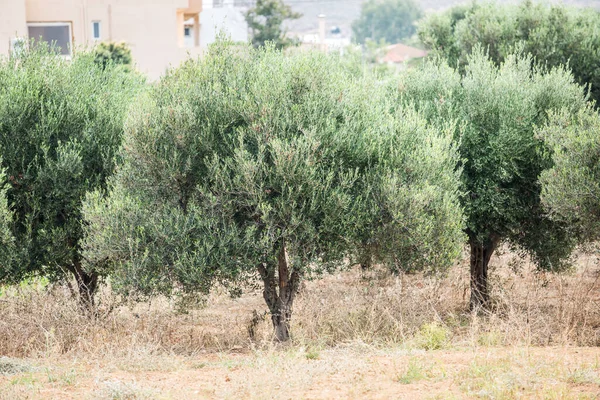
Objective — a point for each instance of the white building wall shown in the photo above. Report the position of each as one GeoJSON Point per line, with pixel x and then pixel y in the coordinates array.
{"type": "Point", "coordinates": [12, 23]}
{"type": "Point", "coordinates": [226, 17]}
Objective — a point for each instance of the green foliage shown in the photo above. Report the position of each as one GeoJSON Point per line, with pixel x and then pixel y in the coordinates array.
{"type": "Point", "coordinates": [7, 240]}
{"type": "Point", "coordinates": [266, 19]}
{"type": "Point", "coordinates": [61, 124]}
{"type": "Point", "coordinates": [111, 52]}
{"type": "Point", "coordinates": [496, 110]}
{"type": "Point", "coordinates": [433, 336]}
{"type": "Point", "coordinates": [572, 187]}
{"type": "Point", "coordinates": [414, 372]}
{"type": "Point", "coordinates": [388, 20]}
{"type": "Point", "coordinates": [553, 34]}
{"type": "Point", "coordinates": [232, 155]}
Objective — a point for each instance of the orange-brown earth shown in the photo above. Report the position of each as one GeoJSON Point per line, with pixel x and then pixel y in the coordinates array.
{"type": "Point", "coordinates": [355, 371]}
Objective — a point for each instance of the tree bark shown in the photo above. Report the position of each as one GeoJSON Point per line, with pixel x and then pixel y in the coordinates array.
{"type": "Point", "coordinates": [279, 293]}
{"type": "Point", "coordinates": [481, 253]}
{"type": "Point", "coordinates": [87, 283]}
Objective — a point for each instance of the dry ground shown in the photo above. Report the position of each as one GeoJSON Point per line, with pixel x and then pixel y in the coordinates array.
{"type": "Point", "coordinates": [356, 335]}
{"type": "Point", "coordinates": [356, 372]}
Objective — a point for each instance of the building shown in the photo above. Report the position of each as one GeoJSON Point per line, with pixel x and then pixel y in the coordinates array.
{"type": "Point", "coordinates": [226, 16]}
{"type": "Point", "coordinates": [332, 42]}
{"type": "Point", "coordinates": [400, 54]}
{"type": "Point", "coordinates": [154, 29]}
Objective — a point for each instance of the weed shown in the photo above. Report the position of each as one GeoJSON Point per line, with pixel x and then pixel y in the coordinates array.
{"type": "Point", "coordinates": [432, 336]}
{"type": "Point", "coordinates": [414, 372]}
{"type": "Point", "coordinates": [491, 338]}
{"type": "Point", "coordinates": [312, 354]}
{"type": "Point", "coordinates": [582, 376]}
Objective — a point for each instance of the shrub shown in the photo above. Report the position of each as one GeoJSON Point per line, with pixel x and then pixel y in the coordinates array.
{"type": "Point", "coordinates": [432, 336]}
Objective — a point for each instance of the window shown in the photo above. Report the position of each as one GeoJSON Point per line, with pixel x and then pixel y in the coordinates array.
{"type": "Point", "coordinates": [56, 34]}
{"type": "Point", "coordinates": [96, 30]}
{"type": "Point", "coordinates": [187, 31]}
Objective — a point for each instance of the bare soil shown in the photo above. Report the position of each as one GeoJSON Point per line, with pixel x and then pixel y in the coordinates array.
{"type": "Point", "coordinates": [353, 372]}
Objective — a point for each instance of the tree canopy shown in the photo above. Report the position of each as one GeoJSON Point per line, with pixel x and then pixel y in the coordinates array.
{"type": "Point", "coordinates": [387, 20]}
{"type": "Point", "coordinates": [553, 34]}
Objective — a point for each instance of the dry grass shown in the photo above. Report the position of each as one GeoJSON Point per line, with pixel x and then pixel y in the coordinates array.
{"type": "Point", "coordinates": [375, 309]}
{"type": "Point", "coordinates": [356, 335]}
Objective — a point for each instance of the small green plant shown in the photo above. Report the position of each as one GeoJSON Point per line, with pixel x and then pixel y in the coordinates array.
{"type": "Point", "coordinates": [489, 378]}
{"type": "Point", "coordinates": [433, 336]}
{"type": "Point", "coordinates": [24, 380]}
{"type": "Point", "coordinates": [414, 372]}
{"type": "Point", "coordinates": [582, 376]}
{"type": "Point", "coordinates": [67, 378]}
{"type": "Point", "coordinates": [117, 390]}
{"type": "Point", "coordinates": [312, 354]}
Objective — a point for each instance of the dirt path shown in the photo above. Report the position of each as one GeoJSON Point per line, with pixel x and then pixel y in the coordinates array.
{"type": "Point", "coordinates": [354, 372]}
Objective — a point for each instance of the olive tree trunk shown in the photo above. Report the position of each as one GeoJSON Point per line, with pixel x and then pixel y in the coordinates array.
{"type": "Point", "coordinates": [280, 288]}
{"type": "Point", "coordinates": [481, 252]}
{"type": "Point", "coordinates": [87, 283]}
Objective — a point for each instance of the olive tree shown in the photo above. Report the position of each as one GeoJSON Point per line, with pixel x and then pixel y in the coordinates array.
{"type": "Point", "coordinates": [250, 163]}
{"type": "Point", "coordinates": [571, 188]}
{"type": "Point", "coordinates": [496, 111]}
{"type": "Point", "coordinates": [61, 123]}
{"type": "Point", "coordinates": [553, 34]}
